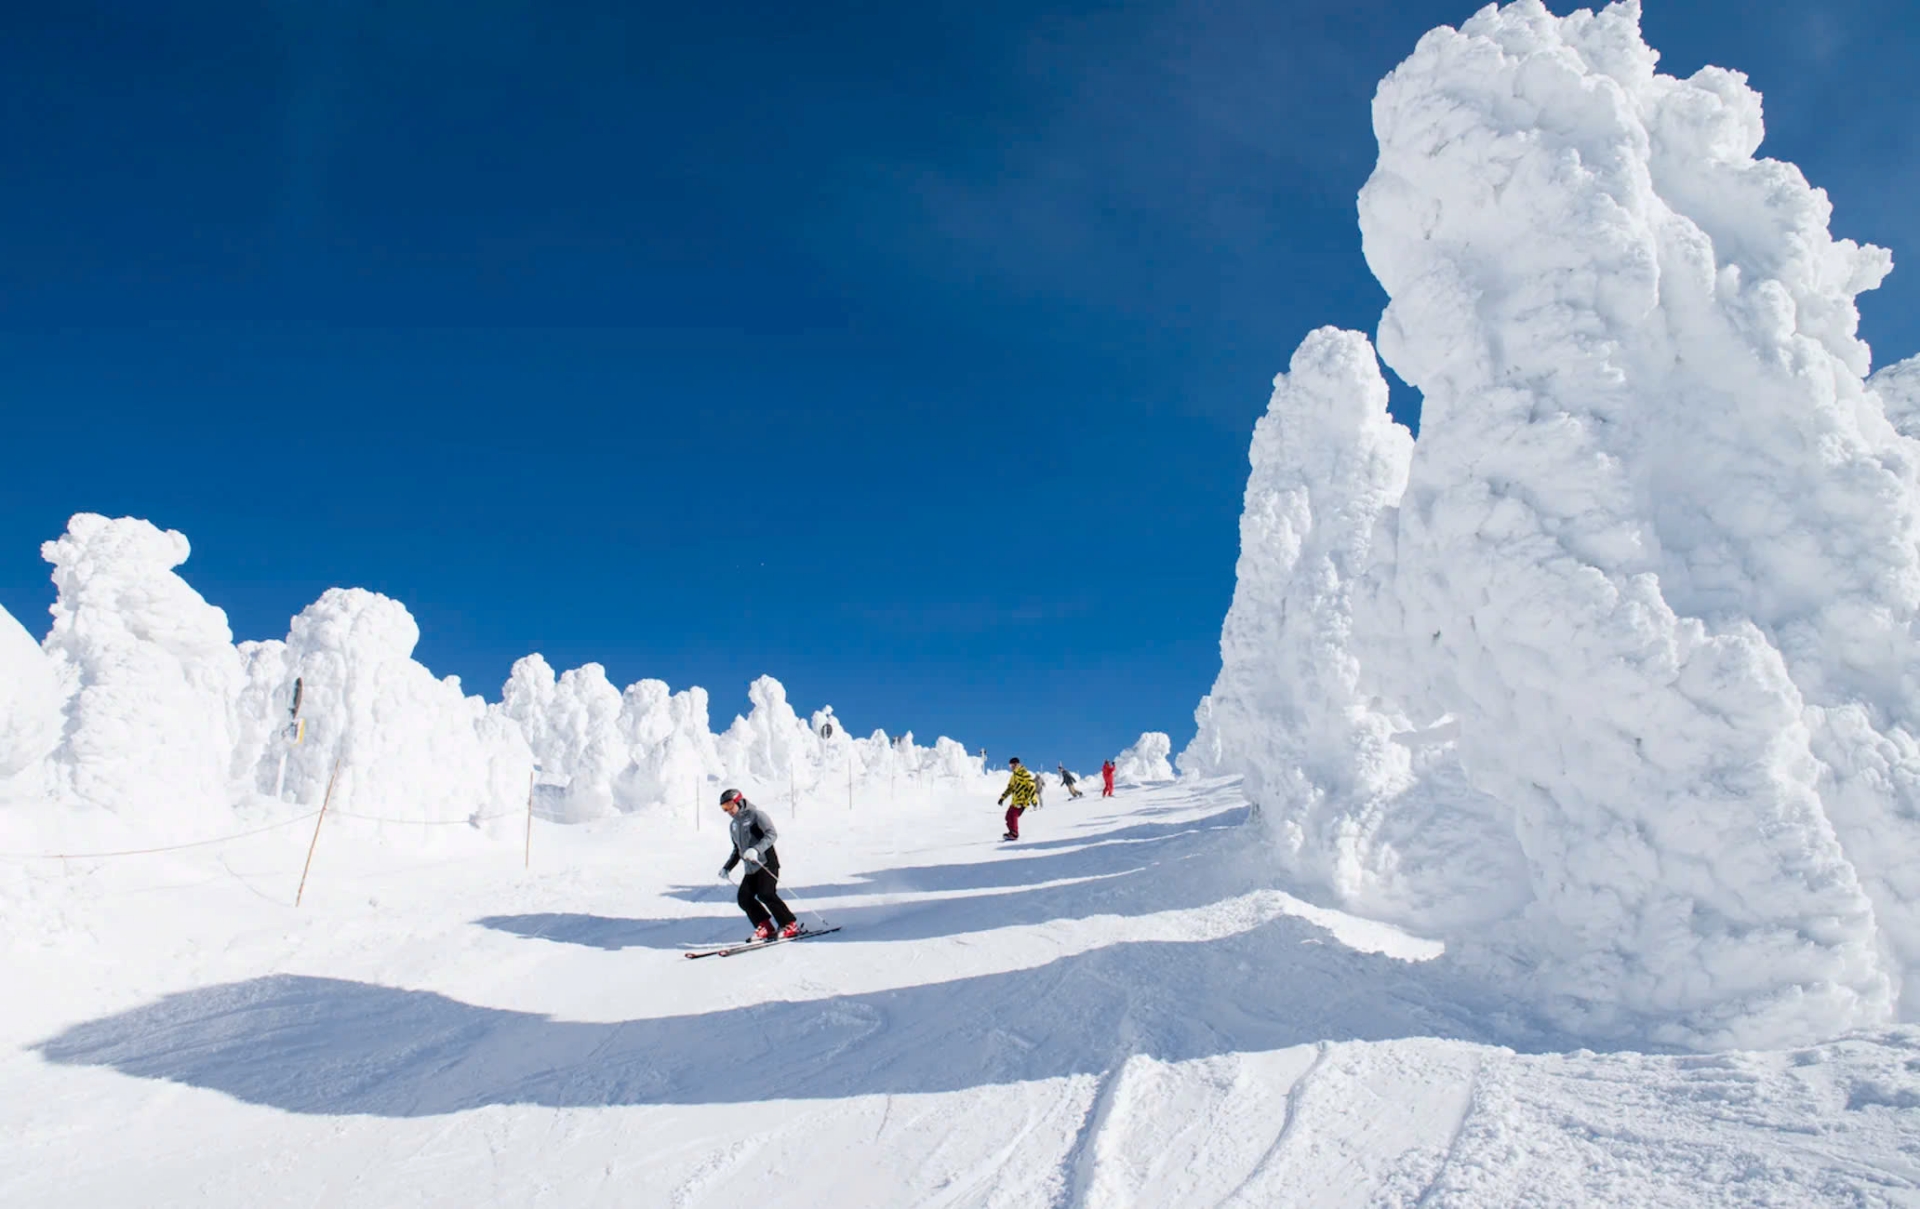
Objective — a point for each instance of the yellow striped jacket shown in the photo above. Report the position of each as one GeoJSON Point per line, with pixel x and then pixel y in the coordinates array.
{"type": "Point", "coordinates": [1021, 789]}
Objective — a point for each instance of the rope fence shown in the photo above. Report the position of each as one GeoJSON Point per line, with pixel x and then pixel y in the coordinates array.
{"type": "Point", "coordinates": [91, 856]}
{"type": "Point", "coordinates": [466, 822]}
{"type": "Point", "coordinates": [319, 818]}
{"type": "Point", "coordinates": [241, 835]}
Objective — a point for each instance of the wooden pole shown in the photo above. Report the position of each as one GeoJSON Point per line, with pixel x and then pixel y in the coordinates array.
{"type": "Point", "coordinates": [315, 842]}
{"type": "Point", "coordinates": [532, 775]}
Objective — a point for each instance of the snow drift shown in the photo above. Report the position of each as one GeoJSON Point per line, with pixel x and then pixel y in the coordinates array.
{"type": "Point", "coordinates": [1633, 624]}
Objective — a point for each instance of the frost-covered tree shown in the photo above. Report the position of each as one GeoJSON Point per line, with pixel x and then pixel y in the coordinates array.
{"type": "Point", "coordinates": [1646, 605]}
{"type": "Point", "coordinates": [150, 670]}
{"type": "Point", "coordinates": [30, 699]}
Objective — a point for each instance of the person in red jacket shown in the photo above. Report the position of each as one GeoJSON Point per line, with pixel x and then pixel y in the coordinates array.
{"type": "Point", "coordinates": [1106, 777]}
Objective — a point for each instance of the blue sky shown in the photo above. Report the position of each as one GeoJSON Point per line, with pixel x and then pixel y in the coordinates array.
{"type": "Point", "coordinates": [907, 353]}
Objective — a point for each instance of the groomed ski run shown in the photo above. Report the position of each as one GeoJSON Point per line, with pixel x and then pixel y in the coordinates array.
{"type": "Point", "coordinates": [1121, 1010]}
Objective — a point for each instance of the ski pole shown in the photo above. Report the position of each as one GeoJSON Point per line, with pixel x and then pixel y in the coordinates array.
{"type": "Point", "coordinates": [792, 905]}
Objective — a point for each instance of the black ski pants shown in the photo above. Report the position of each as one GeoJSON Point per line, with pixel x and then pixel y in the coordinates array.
{"type": "Point", "coordinates": [759, 899]}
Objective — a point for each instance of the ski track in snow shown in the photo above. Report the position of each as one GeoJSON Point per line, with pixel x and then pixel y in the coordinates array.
{"type": "Point", "coordinates": [1122, 1010]}
{"type": "Point", "coordinates": [1292, 1111]}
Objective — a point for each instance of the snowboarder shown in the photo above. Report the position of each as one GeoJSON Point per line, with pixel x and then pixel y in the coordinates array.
{"type": "Point", "coordinates": [1066, 778]}
{"type": "Point", "coordinates": [1106, 775]}
{"type": "Point", "coordinates": [1039, 790]}
{"type": "Point", "coordinates": [1020, 788]}
{"type": "Point", "coordinates": [753, 837]}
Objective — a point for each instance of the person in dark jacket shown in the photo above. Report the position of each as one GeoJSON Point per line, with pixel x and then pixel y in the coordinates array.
{"type": "Point", "coordinates": [1066, 778]}
{"type": "Point", "coordinates": [753, 837]}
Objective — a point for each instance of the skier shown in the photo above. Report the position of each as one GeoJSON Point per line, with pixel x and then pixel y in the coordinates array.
{"type": "Point", "coordinates": [1106, 775]}
{"type": "Point", "coordinates": [753, 837]}
{"type": "Point", "coordinates": [1066, 778]}
{"type": "Point", "coordinates": [1020, 788]}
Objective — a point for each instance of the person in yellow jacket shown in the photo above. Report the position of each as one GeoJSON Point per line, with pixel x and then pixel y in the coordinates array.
{"type": "Point", "coordinates": [1022, 792]}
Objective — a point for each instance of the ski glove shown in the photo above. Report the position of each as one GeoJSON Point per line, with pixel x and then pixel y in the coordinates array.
{"type": "Point", "coordinates": [750, 856]}
{"type": "Point", "coordinates": [724, 872]}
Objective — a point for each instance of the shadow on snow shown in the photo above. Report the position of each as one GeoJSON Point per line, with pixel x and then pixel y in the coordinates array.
{"type": "Point", "coordinates": [323, 1045]}
{"type": "Point", "coordinates": [1134, 871]}
{"type": "Point", "coordinates": [332, 1046]}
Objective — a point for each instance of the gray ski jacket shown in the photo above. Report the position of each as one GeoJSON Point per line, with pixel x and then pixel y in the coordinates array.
{"type": "Point", "coordinates": [752, 831]}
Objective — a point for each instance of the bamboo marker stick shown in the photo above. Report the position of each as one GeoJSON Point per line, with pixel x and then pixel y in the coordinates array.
{"type": "Point", "coordinates": [315, 842]}
{"type": "Point", "coordinates": [532, 775]}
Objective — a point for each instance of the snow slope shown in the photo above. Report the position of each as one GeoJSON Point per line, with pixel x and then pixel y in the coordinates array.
{"type": "Point", "coordinates": [1122, 1010]}
{"type": "Point", "coordinates": [1610, 679]}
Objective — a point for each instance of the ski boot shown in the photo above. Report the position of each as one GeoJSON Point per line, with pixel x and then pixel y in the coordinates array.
{"type": "Point", "coordinates": [790, 931]}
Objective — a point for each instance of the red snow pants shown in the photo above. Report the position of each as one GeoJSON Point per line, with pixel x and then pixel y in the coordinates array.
{"type": "Point", "coordinates": [1013, 821]}
{"type": "Point", "coordinates": [1106, 788]}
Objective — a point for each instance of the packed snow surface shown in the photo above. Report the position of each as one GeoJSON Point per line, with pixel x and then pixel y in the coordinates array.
{"type": "Point", "coordinates": [1611, 679]}
{"type": "Point", "coordinates": [1122, 1010]}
